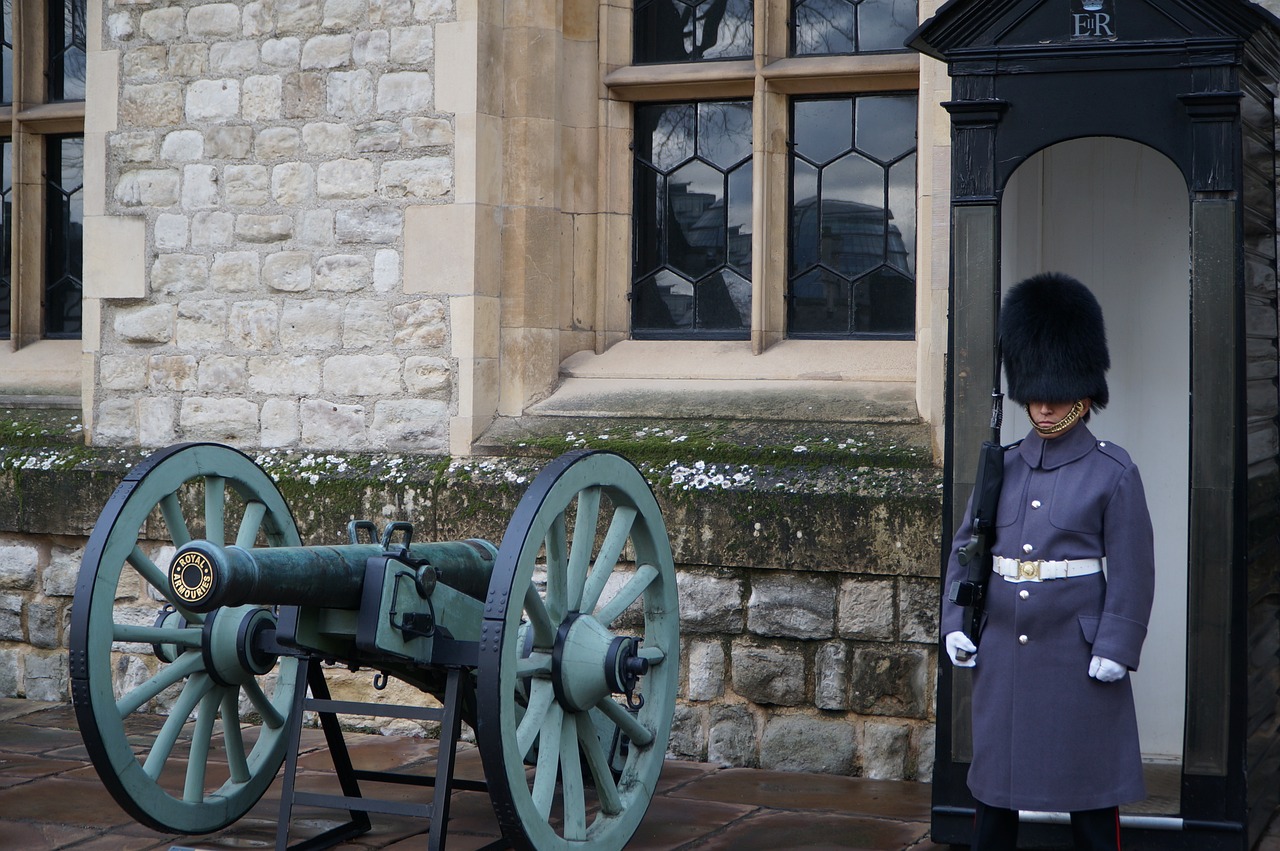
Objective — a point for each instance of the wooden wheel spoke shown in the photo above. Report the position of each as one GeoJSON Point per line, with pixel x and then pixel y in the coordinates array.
{"type": "Point", "coordinates": [215, 509]}
{"type": "Point", "coordinates": [270, 715]}
{"type": "Point", "coordinates": [536, 664]}
{"type": "Point", "coordinates": [624, 516]}
{"type": "Point", "coordinates": [232, 738]}
{"type": "Point", "coordinates": [189, 638]}
{"type": "Point", "coordinates": [544, 631]}
{"type": "Point", "coordinates": [630, 592]}
{"type": "Point", "coordinates": [201, 739]}
{"type": "Point", "coordinates": [192, 693]}
{"type": "Point", "coordinates": [187, 665]}
{"type": "Point", "coordinates": [155, 577]}
{"type": "Point", "coordinates": [629, 724]}
{"type": "Point", "coordinates": [534, 715]}
{"type": "Point", "coordinates": [250, 523]}
{"type": "Point", "coordinates": [557, 569]}
{"type": "Point", "coordinates": [544, 778]}
{"type": "Point", "coordinates": [598, 765]}
{"type": "Point", "coordinates": [584, 541]}
{"type": "Point", "coordinates": [572, 792]}
{"type": "Point", "coordinates": [171, 510]}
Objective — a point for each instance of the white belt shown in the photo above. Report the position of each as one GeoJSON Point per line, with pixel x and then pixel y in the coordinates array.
{"type": "Point", "coordinates": [1038, 571]}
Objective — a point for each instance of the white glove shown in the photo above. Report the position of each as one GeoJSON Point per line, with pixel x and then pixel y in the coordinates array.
{"type": "Point", "coordinates": [957, 642]}
{"type": "Point", "coordinates": [1106, 671]}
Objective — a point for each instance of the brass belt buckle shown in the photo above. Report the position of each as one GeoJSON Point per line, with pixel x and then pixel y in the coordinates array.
{"type": "Point", "coordinates": [1030, 570]}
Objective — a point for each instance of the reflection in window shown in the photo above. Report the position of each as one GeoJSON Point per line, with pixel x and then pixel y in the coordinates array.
{"type": "Point", "coordinates": [827, 27]}
{"type": "Point", "coordinates": [692, 270]}
{"type": "Point", "coordinates": [853, 212]}
{"type": "Point", "coordinates": [66, 50]}
{"type": "Point", "coordinates": [6, 54]}
{"type": "Point", "coordinates": [6, 234]}
{"type": "Point", "coordinates": [64, 229]}
{"type": "Point", "coordinates": [691, 30]}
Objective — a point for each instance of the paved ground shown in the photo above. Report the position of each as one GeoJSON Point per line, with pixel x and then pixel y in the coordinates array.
{"type": "Point", "coordinates": [50, 797]}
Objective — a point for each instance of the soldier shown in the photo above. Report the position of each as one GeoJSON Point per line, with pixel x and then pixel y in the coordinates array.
{"type": "Point", "coordinates": [1054, 727]}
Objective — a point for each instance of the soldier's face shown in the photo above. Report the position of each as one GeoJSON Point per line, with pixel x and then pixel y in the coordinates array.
{"type": "Point", "coordinates": [1047, 415]}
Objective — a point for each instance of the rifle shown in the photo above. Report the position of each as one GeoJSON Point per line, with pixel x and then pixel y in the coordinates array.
{"type": "Point", "coordinates": [971, 592]}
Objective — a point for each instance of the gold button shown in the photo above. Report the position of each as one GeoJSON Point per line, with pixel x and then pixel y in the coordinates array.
{"type": "Point", "coordinates": [1024, 594]}
{"type": "Point", "coordinates": [1035, 503]}
{"type": "Point", "coordinates": [1022, 639]}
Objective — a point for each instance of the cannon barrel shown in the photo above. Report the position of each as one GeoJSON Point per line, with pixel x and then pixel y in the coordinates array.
{"type": "Point", "coordinates": [204, 576]}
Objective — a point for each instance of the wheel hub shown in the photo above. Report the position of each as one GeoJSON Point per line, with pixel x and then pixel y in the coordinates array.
{"type": "Point", "coordinates": [589, 663]}
{"type": "Point", "coordinates": [233, 647]}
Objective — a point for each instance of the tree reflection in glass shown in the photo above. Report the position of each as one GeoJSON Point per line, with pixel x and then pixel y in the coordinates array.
{"type": "Point", "coordinates": [693, 30]}
{"type": "Point", "coordinates": [837, 27]}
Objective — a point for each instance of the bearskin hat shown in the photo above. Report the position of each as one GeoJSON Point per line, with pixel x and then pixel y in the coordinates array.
{"type": "Point", "coordinates": [1053, 342]}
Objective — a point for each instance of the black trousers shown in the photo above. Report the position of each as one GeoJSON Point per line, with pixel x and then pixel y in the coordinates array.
{"type": "Point", "coordinates": [996, 829]}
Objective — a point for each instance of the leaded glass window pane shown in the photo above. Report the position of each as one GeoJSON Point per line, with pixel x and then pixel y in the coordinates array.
{"type": "Point", "coordinates": [6, 54]}
{"type": "Point", "coordinates": [66, 50]}
{"type": "Point", "coordinates": [834, 27]}
{"type": "Point", "coordinates": [64, 249]}
{"type": "Point", "coordinates": [692, 30]}
{"type": "Point", "coordinates": [692, 271]}
{"type": "Point", "coordinates": [851, 263]}
{"type": "Point", "coordinates": [6, 238]}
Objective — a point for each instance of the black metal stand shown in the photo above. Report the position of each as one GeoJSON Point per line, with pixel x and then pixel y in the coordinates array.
{"type": "Point", "coordinates": [443, 783]}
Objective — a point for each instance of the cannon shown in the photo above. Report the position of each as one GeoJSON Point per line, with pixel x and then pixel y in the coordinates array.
{"type": "Point", "coordinates": [559, 647]}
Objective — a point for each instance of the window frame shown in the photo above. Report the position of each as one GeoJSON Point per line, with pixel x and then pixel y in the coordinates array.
{"type": "Point", "coordinates": [770, 79]}
{"type": "Point", "coordinates": [28, 122]}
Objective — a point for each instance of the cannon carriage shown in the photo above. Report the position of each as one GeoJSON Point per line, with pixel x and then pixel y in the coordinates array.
{"type": "Point", "coordinates": [559, 648]}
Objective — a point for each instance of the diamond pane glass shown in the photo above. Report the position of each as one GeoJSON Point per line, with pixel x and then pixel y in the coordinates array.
{"type": "Point", "coordinates": [884, 303]}
{"type": "Point", "coordinates": [724, 133]}
{"type": "Point", "coordinates": [64, 214]}
{"type": "Point", "coordinates": [6, 54]}
{"type": "Point", "coordinates": [819, 304]}
{"type": "Point", "coordinates": [666, 135]}
{"type": "Point", "coordinates": [884, 25]}
{"type": "Point", "coordinates": [66, 50]}
{"type": "Point", "coordinates": [693, 30]}
{"type": "Point", "coordinates": [6, 232]}
{"type": "Point", "coordinates": [823, 129]}
{"type": "Point", "coordinates": [825, 27]}
{"type": "Point", "coordinates": [902, 215]}
{"type": "Point", "coordinates": [886, 126]}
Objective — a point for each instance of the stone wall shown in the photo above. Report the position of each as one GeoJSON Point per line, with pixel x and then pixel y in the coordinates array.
{"type": "Point", "coordinates": [271, 150]}
{"type": "Point", "coordinates": [808, 607]}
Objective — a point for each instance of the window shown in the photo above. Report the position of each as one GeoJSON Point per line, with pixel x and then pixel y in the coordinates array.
{"type": "Point", "coordinates": [42, 86]}
{"type": "Point", "coordinates": [815, 146]}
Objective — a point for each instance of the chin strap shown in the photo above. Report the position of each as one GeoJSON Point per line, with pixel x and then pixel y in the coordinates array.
{"type": "Point", "coordinates": [1061, 425]}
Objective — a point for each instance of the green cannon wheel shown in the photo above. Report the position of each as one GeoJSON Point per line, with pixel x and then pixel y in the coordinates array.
{"type": "Point", "coordinates": [579, 657]}
{"type": "Point", "coordinates": [134, 647]}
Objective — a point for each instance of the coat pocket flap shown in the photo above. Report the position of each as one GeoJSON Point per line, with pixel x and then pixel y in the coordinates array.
{"type": "Point", "coordinates": [1089, 626]}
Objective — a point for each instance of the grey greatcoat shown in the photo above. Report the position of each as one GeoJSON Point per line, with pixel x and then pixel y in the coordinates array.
{"type": "Point", "coordinates": [1046, 735]}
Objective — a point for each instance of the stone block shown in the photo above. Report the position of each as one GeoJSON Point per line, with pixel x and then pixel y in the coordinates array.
{"type": "Point", "coordinates": [10, 673]}
{"type": "Point", "coordinates": [235, 271]}
{"type": "Point", "coordinates": [188, 60]}
{"type": "Point", "coordinates": [171, 232]}
{"type": "Point", "coordinates": [865, 609]}
{"type": "Point", "coordinates": [263, 229]}
{"type": "Point", "coordinates": [346, 179]}
{"type": "Point", "coordinates": [706, 670]}
{"type": "Point", "coordinates": [298, 15]}
{"type": "Point", "coordinates": [417, 180]}
{"type": "Point", "coordinates": [293, 183]}
{"type": "Point", "coordinates": [172, 372]}
{"type": "Point", "coordinates": [229, 58]}
{"type": "Point", "coordinates": [770, 675]}
{"type": "Point", "coordinates": [199, 187]}
{"type": "Point", "coordinates": [214, 20]}
{"type": "Point", "coordinates": [182, 146]}
{"type": "Point", "coordinates": [228, 143]}
{"type": "Point", "coordinates": [222, 374]}
{"type": "Point", "coordinates": [281, 375]}
{"type": "Point", "coordinates": [420, 131]}
{"type": "Point", "coordinates": [731, 739]}
{"type": "Point", "coordinates": [371, 47]}
{"type": "Point", "coordinates": [214, 229]}
{"type": "Point", "coordinates": [162, 25]}
{"type": "Point", "coordinates": [412, 46]}
{"type": "Point", "coordinates": [253, 325]}
{"type": "Point", "coordinates": [201, 324]}
{"type": "Point", "coordinates": [885, 750]}
{"type": "Point", "coordinates": [147, 324]}
{"type": "Point", "coordinates": [246, 185]}
{"type": "Point", "coordinates": [926, 753]}
{"type": "Point", "coordinates": [213, 101]}
{"type": "Point", "coordinates": [343, 273]}
{"type": "Point", "coordinates": [228, 420]}
{"type": "Point", "coordinates": [11, 617]}
{"type": "Point", "coordinates": [709, 604]}
{"type": "Point", "coordinates": [831, 676]}
{"type": "Point", "coordinates": [382, 225]}
{"type": "Point", "coordinates": [157, 421]}
{"type": "Point", "coordinates": [421, 425]}
{"type": "Point", "coordinates": [279, 423]}
{"type": "Point", "coordinates": [428, 377]}
{"type": "Point", "coordinates": [792, 606]}
{"type": "Point", "coordinates": [262, 98]}
{"type": "Point", "coordinates": [122, 372]}
{"type": "Point", "coordinates": [148, 187]}
{"type": "Point", "coordinates": [143, 64]}
{"type": "Point", "coordinates": [315, 228]}
{"type": "Point", "coordinates": [365, 324]}
{"type": "Point", "coordinates": [688, 732]}
{"type": "Point", "coordinates": [405, 92]}
{"type": "Point", "coordinates": [344, 14]}
{"type": "Point", "coordinates": [46, 677]}
{"type": "Point", "coordinates": [151, 105]}
{"type": "Point", "coordinates": [116, 421]}
{"type": "Point", "coordinates": [330, 425]}
{"type": "Point", "coordinates": [326, 52]}
{"type": "Point", "coordinates": [44, 625]}
{"type": "Point", "coordinates": [60, 577]}
{"type": "Point", "coordinates": [386, 270]}
{"type": "Point", "coordinates": [433, 10]}
{"type": "Point", "coordinates": [890, 682]}
{"type": "Point", "coordinates": [350, 94]}
{"type": "Point", "coordinates": [918, 610]}
{"type": "Point", "coordinates": [310, 325]}
{"type": "Point", "coordinates": [420, 324]}
{"type": "Point", "coordinates": [377, 137]}
{"type": "Point", "coordinates": [18, 566]}
{"type": "Point", "coordinates": [120, 26]}
{"type": "Point", "coordinates": [805, 743]}
{"type": "Point", "coordinates": [136, 146]}
{"type": "Point", "coordinates": [287, 271]}
{"type": "Point", "coordinates": [327, 139]}
{"type": "Point", "coordinates": [175, 274]}
{"type": "Point", "coordinates": [304, 94]}
{"type": "Point", "coordinates": [283, 52]}
{"type": "Point", "coordinates": [278, 143]}
{"type": "Point", "coordinates": [362, 375]}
